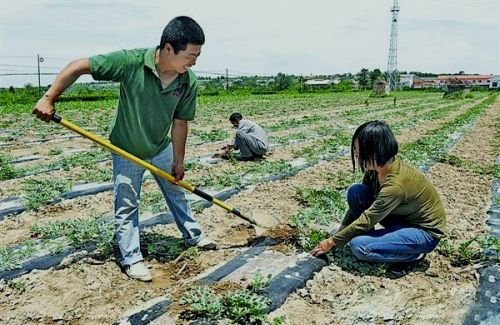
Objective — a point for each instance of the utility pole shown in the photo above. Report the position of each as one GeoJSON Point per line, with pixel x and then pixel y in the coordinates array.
{"type": "Point", "coordinates": [38, 61]}
{"type": "Point", "coordinates": [392, 64]}
{"type": "Point", "coordinates": [227, 80]}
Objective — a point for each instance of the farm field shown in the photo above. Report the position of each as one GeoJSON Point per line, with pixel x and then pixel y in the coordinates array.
{"type": "Point", "coordinates": [298, 190]}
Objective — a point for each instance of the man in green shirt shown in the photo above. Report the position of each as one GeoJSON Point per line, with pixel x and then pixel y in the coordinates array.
{"type": "Point", "coordinates": [394, 194]}
{"type": "Point", "coordinates": [157, 96]}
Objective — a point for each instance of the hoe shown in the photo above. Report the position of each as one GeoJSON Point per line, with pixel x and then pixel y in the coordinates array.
{"type": "Point", "coordinates": [191, 188]}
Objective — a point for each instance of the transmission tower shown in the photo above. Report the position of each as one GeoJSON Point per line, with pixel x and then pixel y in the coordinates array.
{"type": "Point", "coordinates": [392, 64]}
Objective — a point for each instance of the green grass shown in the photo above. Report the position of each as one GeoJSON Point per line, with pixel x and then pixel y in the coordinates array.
{"type": "Point", "coordinates": [453, 160]}
{"type": "Point", "coordinates": [7, 171]}
{"type": "Point", "coordinates": [80, 232]}
{"type": "Point", "coordinates": [237, 306]}
{"type": "Point", "coordinates": [319, 207]}
{"type": "Point", "coordinates": [101, 175]}
{"type": "Point", "coordinates": [10, 258]}
{"type": "Point", "coordinates": [471, 251]}
{"type": "Point", "coordinates": [163, 248]}
{"type": "Point", "coordinates": [431, 146]}
{"type": "Point", "coordinates": [18, 285]}
{"type": "Point", "coordinates": [39, 192]}
{"type": "Point", "coordinates": [55, 151]}
{"type": "Point", "coordinates": [153, 201]}
{"type": "Point", "coordinates": [212, 135]}
{"type": "Point", "coordinates": [86, 160]}
{"type": "Point", "coordinates": [323, 149]}
{"type": "Point", "coordinates": [229, 179]}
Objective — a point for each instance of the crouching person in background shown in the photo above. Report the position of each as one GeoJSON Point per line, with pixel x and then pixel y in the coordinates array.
{"type": "Point", "coordinates": [250, 139]}
{"type": "Point", "coordinates": [394, 194]}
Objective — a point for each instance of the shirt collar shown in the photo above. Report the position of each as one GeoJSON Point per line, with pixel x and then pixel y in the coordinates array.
{"type": "Point", "coordinates": [150, 62]}
{"type": "Point", "coordinates": [395, 166]}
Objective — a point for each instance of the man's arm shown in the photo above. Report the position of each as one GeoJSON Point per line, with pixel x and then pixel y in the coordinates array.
{"type": "Point", "coordinates": [44, 108]}
{"type": "Point", "coordinates": [179, 136]}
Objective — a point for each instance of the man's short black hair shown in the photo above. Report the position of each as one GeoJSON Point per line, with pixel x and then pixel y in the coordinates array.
{"type": "Point", "coordinates": [235, 117]}
{"type": "Point", "coordinates": [376, 144]}
{"type": "Point", "coordinates": [180, 32]}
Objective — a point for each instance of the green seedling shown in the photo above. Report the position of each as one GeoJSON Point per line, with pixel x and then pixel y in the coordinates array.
{"type": "Point", "coordinates": [308, 239]}
{"type": "Point", "coordinates": [278, 320]}
{"type": "Point", "coordinates": [153, 201]}
{"type": "Point", "coordinates": [11, 258]}
{"type": "Point", "coordinates": [7, 171]}
{"type": "Point", "coordinates": [192, 165]}
{"type": "Point", "coordinates": [470, 251]}
{"type": "Point", "coordinates": [8, 259]}
{"type": "Point", "coordinates": [245, 307]}
{"type": "Point", "coordinates": [39, 192]}
{"type": "Point", "coordinates": [212, 135]}
{"type": "Point", "coordinates": [260, 281]}
{"type": "Point", "coordinates": [102, 175]}
{"type": "Point", "coordinates": [321, 206]}
{"type": "Point", "coordinates": [192, 252]}
{"type": "Point", "coordinates": [18, 285]}
{"type": "Point", "coordinates": [55, 151]}
{"type": "Point", "coordinates": [77, 233]}
{"type": "Point", "coordinates": [238, 306]}
{"type": "Point", "coordinates": [160, 247]}
{"type": "Point", "coordinates": [203, 302]}
{"type": "Point", "coordinates": [86, 160]}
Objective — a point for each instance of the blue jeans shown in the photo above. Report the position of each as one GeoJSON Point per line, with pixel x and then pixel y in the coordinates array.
{"type": "Point", "coordinates": [249, 146]}
{"type": "Point", "coordinates": [127, 191]}
{"type": "Point", "coordinates": [394, 243]}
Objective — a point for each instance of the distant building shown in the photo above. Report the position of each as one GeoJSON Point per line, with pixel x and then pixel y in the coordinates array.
{"type": "Point", "coordinates": [319, 83]}
{"type": "Point", "coordinates": [467, 80]}
{"type": "Point", "coordinates": [424, 82]}
{"type": "Point", "coordinates": [495, 82]}
{"type": "Point", "coordinates": [406, 80]}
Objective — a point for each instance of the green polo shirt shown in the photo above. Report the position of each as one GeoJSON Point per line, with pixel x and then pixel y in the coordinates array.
{"type": "Point", "coordinates": [145, 111]}
{"type": "Point", "coordinates": [405, 197]}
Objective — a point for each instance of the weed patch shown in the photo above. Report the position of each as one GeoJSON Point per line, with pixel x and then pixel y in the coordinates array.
{"type": "Point", "coordinates": [238, 306]}
{"type": "Point", "coordinates": [7, 171]}
{"type": "Point", "coordinates": [479, 249]}
{"type": "Point", "coordinates": [39, 192]}
{"type": "Point", "coordinates": [80, 232]}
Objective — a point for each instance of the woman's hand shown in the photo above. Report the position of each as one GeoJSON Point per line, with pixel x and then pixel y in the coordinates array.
{"type": "Point", "coordinates": [323, 247]}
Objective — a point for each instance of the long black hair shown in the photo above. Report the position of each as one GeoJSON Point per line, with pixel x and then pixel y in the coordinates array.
{"type": "Point", "coordinates": [376, 145]}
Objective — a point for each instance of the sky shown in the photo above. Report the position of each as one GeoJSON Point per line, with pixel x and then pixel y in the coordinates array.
{"type": "Point", "coordinates": [256, 37]}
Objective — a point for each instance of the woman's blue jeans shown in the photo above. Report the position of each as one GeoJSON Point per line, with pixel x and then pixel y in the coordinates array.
{"type": "Point", "coordinates": [127, 187]}
{"type": "Point", "coordinates": [394, 243]}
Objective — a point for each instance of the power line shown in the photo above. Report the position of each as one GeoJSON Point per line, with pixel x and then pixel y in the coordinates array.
{"type": "Point", "coordinates": [33, 57]}
{"type": "Point", "coordinates": [245, 73]}
{"type": "Point", "coordinates": [217, 73]}
{"type": "Point", "coordinates": [29, 74]}
{"type": "Point", "coordinates": [17, 56]}
{"type": "Point", "coordinates": [27, 66]}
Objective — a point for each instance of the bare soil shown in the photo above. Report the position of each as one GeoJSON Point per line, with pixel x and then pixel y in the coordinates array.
{"type": "Point", "coordinates": [433, 291]}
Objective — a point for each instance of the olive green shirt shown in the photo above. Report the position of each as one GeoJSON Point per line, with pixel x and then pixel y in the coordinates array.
{"type": "Point", "coordinates": [145, 110]}
{"type": "Point", "coordinates": [406, 197]}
